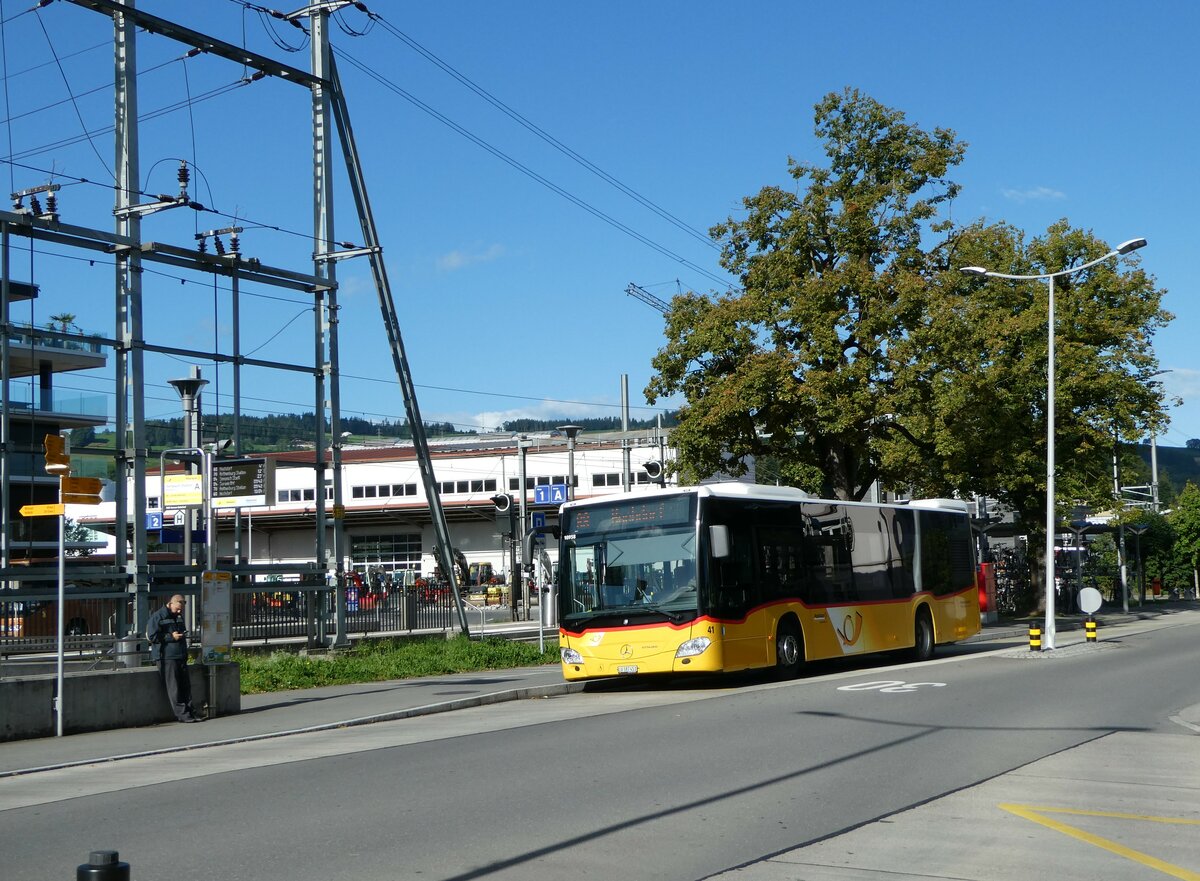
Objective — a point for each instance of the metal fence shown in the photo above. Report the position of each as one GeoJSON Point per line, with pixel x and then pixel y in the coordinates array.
{"type": "Point", "coordinates": [35, 618]}
{"type": "Point", "coordinates": [28, 623]}
{"type": "Point", "coordinates": [281, 614]}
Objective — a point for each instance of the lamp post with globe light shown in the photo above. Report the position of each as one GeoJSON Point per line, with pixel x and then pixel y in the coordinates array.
{"type": "Point", "coordinates": [1051, 517]}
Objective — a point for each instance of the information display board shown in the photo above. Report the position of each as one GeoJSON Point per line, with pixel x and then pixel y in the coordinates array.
{"type": "Point", "coordinates": [242, 483]}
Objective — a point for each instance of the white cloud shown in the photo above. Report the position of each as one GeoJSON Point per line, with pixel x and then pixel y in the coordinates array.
{"type": "Point", "coordinates": [559, 411]}
{"type": "Point", "coordinates": [1182, 381]}
{"type": "Point", "coordinates": [459, 259]}
{"type": "Point", "coordinates": [1034, 194]}
{"type": "Point", "coordinates": [350, 286]}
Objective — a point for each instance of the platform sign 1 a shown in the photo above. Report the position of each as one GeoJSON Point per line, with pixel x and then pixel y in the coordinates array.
{"type": "Point", "coordinates": [550, 494]}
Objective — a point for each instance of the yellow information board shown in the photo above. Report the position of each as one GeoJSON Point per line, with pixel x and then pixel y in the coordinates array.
{"type": "Point", "coordinates": [43, 510]}
{"type": "Point", "coordinates": [182, 490]}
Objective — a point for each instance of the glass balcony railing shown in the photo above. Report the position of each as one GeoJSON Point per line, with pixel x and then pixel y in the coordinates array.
{"type": "Point", "coordinates": [22, 335]}
{"type": "Point", "coordinates": [67, 403]}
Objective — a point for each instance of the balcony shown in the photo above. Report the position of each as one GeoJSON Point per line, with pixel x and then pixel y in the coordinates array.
{"type": "Point", "coordinates": [30, 348]}
{"type": "Point", "coordinates": [64, 409]}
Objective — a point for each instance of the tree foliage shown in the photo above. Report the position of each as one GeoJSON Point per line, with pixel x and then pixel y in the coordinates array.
{"type": "Point", "coordinates": [978, 403]}
{"type": "Point", "coordinates": [856, 349]}
{"type": "Point", "coordinates": [799, 364]}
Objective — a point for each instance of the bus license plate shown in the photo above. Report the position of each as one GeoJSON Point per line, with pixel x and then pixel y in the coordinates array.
{"type": "Point", "coordinates": [627, 668]}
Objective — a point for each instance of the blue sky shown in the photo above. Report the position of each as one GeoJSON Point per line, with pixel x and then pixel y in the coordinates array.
{"type": "Point", "coordinates": [511, 296]}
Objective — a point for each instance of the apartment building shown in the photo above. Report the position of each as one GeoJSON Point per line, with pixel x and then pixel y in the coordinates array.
{"type": "Point", "coordinates": [31, 359]}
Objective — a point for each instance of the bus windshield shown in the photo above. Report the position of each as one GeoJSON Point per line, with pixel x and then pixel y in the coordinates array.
{"type": "Point", "coordinates": [630, 558]}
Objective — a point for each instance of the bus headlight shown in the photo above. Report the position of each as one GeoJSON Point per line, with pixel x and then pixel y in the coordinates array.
{"type": "Point", "coordinates": [693, 647]}
{"type": "Point", "coordinates": [570, 656]}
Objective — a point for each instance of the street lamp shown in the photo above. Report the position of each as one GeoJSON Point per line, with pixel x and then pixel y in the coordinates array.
{"type": "Point", "coordinates": [1051, 518]}
{"type": "Point", "coordinates": [188, 389]}
{"type": "Point", "coordinates": [572, 432]}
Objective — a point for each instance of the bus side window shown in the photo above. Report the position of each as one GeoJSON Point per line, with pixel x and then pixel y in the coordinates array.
{"type": "Point", "coordinates": [733, 591]}
{"type": "Point", "coordinates": [780, 563]}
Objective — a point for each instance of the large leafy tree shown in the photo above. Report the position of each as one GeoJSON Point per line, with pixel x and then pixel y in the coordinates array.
{"type": "Point", "coordinates": [856, 349]}
{"type": "Point", "coordinates": [798, 365]}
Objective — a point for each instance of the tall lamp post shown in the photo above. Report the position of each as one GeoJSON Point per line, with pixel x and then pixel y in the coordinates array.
{"type": "Point", "coordinates": [188, 389]}
{"type": "Point", "coordinates": [572, 432]}
{"type": "Point", "coordinates": [1051, 514]}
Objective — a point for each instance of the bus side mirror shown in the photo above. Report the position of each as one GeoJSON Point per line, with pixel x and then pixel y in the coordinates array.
{"type": "Point", "coordinates": [718, 541]}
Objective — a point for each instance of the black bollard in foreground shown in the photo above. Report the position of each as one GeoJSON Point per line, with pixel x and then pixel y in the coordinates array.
{"type": "Point", "coordinates": [103, 865]}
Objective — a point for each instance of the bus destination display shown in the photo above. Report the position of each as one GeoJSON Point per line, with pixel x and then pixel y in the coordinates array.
{"type": "Point", "coordinates": [666, 511]}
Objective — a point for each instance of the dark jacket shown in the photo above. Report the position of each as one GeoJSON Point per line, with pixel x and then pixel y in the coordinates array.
{"type": "Point", "coordinates": [158, 631]}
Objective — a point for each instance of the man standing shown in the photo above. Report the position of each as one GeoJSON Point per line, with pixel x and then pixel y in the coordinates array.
{"type": "Point", "coordinates": [168, 647]}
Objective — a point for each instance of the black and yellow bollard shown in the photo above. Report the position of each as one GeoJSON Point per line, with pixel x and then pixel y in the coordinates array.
{"type": "Point", "coordinates": [1035, 638]}
{"type": "Point", "coordinates": [1090, 626]}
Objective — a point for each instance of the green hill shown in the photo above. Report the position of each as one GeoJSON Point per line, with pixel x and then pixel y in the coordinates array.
{"type": "Point", "coordinates": [1176, 465]}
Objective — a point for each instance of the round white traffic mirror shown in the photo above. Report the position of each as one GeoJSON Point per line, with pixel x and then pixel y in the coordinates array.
{"type": "Point", "coordinates": [1089, 600]}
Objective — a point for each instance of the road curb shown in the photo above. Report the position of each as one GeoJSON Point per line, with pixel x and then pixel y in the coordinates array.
{"type": "Point", "coordinates": [478, 700]}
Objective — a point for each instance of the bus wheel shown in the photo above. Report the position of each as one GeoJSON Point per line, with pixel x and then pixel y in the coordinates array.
{"type": "Point", "coordinates": [923, 637]}
{"type": "Point", "coordinates": [789, 650]}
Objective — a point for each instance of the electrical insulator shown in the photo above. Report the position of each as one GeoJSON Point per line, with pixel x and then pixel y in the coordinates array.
{"type": "Point", "coordinates": [18, 204]}
{"type": "Point", "coordinates": [235, 245]}
{"type": "Point", "coordinates": [183, 175]}
{"type": "Point", "coordinates": [201, 244]}
{"type": "Point", "coordinates": [51, 203]}
{"type": "Point", "coordinates": [34, 205]}
{"type": "Point", "coordinates": [219, 245]}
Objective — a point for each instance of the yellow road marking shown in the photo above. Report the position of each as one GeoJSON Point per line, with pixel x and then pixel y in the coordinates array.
{"type": "Point", "coordinates": [1035, 814]}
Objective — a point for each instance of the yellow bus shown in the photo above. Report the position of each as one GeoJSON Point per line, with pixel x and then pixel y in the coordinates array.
{"type": "Point", "coordinates": [732, 576]}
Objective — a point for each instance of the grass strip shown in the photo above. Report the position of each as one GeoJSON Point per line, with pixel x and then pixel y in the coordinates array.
{"type": "Point", "coordinates": [378, 660]}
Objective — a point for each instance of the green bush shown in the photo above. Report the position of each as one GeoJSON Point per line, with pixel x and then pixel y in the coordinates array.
{"type": "Point", "coordinates": [377, 660]}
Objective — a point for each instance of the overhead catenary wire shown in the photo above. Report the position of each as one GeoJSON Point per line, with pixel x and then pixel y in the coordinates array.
{"type": "Point", "coordinates": [12, 184]}
{"type": "Point", "coordinates": [542, 133]}
{"type": "Point", "coordinates": [107, 129]}
{"type": "Point", "coordinates": [526, 170]}
{"type": "Point", "coordinates": [74, 97]}
{"type": "Point", "coordinates": [107, 263]}
{"type": "Point", "coordinates": [74, 102]}
{"type": "Point", "coordinates": [188, 103]}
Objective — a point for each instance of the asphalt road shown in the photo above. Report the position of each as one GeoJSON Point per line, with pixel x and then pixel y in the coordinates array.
{"type": "Point", "coordinates": [626, 781]}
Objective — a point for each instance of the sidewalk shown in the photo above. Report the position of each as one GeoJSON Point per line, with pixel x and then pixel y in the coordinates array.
{"type": "Point", "coordinates": [1121, 806]}
{"type": "Point", "coordinates": [281, 713]}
